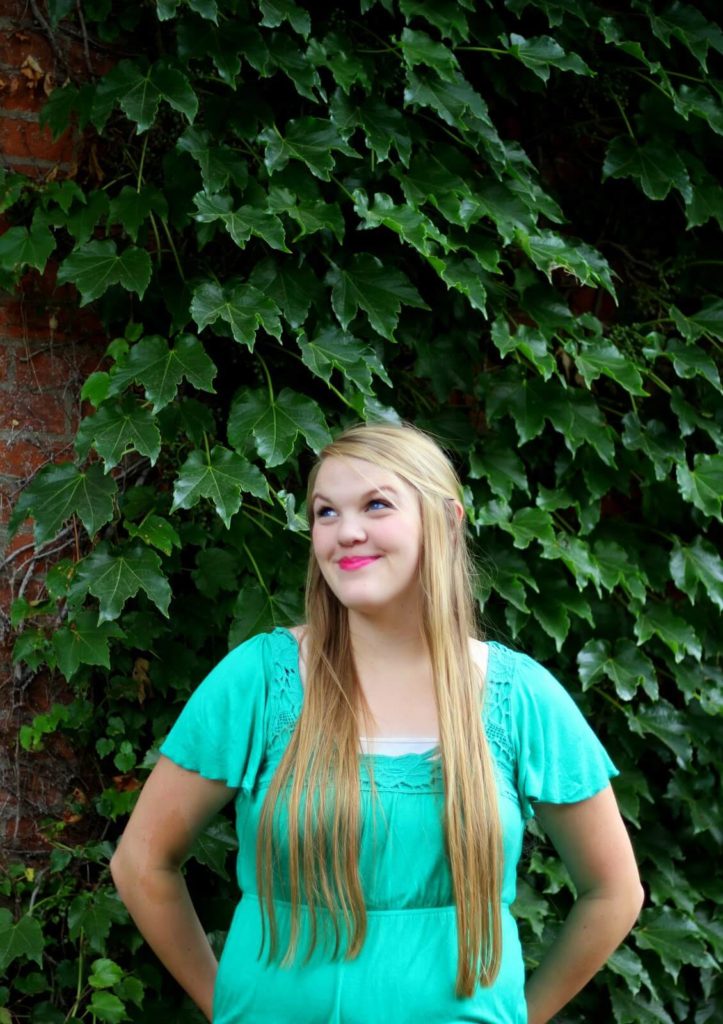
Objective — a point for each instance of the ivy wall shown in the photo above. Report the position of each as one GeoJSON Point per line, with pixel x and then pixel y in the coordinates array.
{"type": "Point", "coordinates": [501, 221]}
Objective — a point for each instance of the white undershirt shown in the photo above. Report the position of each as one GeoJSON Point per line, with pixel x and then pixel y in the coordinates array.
{"type": "Point", "coordinates": [395, 746]}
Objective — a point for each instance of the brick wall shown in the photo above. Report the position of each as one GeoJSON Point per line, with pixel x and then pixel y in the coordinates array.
{"type": "Point", "coordinates": [47, 347]}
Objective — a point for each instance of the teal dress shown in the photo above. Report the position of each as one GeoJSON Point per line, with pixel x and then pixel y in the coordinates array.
{"type": "Point", "coordinates": [235, 728]}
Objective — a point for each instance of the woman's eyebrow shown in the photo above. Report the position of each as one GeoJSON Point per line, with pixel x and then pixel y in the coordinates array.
{"type": "Point", "coordinates": [386, 491]}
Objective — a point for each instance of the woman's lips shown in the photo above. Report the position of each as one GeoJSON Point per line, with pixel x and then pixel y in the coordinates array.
{"type": "Point", "coordinates": [350, 564]}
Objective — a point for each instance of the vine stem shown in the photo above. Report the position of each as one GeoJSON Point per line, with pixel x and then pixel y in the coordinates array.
{"type": "Point", "coordinates": [256, 569]}
{"type": "Point", "coordinates": [269, 382]}
{"type": "Point", "coordinates": [139, 179]}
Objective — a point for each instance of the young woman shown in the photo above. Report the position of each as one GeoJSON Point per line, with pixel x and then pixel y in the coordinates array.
{"type": "Point", "coordinates": [382, 761]}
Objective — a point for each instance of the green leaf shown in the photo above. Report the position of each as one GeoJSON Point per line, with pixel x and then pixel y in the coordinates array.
{"type": "Point", "coordinates": [420, 48]}
{"type": "Point", "coordinates": [625, 666]}
{"type": "Point", "coordinates": [707, 321]}
{"type": "Point", "coordinates": [690, 27]}
{"type": "Point", "coordinates": [214, 845]}
{"type": "Point", "coordinates": [577, 417]}
{"type": "Point", "coordinates": [636, 1010]}
{"type": "Point", "coordinates": [540, 53]}
{"type": "Point", "coordinates": [243, 307]}
{"type": "Point", "coordinates": [553, 606]}
{"type": "Point", "coordinates": [285, 53]}
{"type": "Point", "coordinates": [95, 266]}
{"type": "Point", "coordinates": [413, 227]}
{"type": "Point", "coordinates": [104, 973]}
{"type": "Point", "coordinates": [275, 422]}
{"type": "Point", "coordinates": [131, 208]}
{"type": "Point", "coordinates": [601, 358]}
{"type": "Point", "coordinates": [550, 251]}
{"type": "Point", "coordinates": [95, 388]}
{"type": "Point", "coordinates": [445, 15]}
{"type": "Point", "coordinates": [703, 485]}
{"type": "Point", "coordinates": [701, 101]}
{"type": "Point", "coordinates": [139, 92]}
{"type": "Point", "coordinates": [311, 215]}
{"type": "Point", "coordinates": [656, 166]}
{"type": "Point", "coordinates": [500, 466]}
{"type": "Point", "coordinates": [276, 12]}
{"type": "Point", "coordinates": [519, 397]}
{"type": "Point", "coordinates": [157, 532]}
{"type": "Point", "coordinates": [616, 569]}
{"type": "Point", "coordinates": [93, 913]}
{"type": "Point", "coordinates": [333, 348]}
{"type": "Point", "coordinates": [115, 578]}
{"type": "Point", "coordinates": [118, 428]}
{"type": "Point", "coordinates": [218, 164]}
{"type": "Point", "coordinates": [290, 286]}
{"type": "Point", "coordinates": [365, 283]}
{"type": "Point", "coordinates": [58, 491]}
{"type": "Point", "coordinates": [160, 368]}
{"type": "Point", "coordinates": [107, 1007]}
{"type": "Point", "coordinates": [84, 641]}
{"type": "Point", "coordinates": [465, 276]}
{"type": "Point", "coordinates": [662, 447]}
{"type": "Point", "coordinates": [383, 126]}
{"type": "Point", "coordinates": [691, 360]}
{"type": "Point", "coordinates": [242, 223]}
{"type": "Point", "coordinates": [530, 524]}
{"type": "Point", "coordinates": [24, 939]}
{"type": "Point", "coordinates": [310, 140]}
{"type": "Point", "coordinates": [674, 938]}
{"type": "Point", "coordinates": [530, 342]}
{"type": "Point", "coordinates": [458, 105]}
{"type": "Point", "coordinates": [221, 475]}
{"type": "Point", "coordinates": [511, 578]}
{"type": "Point", "coordinates": [698, 564]}
{"type": "Point", "coordinates": [675, 632]}
{"type": "Point", "coordinates": [26, 247]}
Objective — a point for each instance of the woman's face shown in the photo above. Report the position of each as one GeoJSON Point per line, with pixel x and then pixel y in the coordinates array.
{"type": "Point", "coordinates": [367, 536]}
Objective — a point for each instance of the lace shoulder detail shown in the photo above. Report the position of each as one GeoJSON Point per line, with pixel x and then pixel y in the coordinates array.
{"type": "Point", "coordinates": [497, 712]}
{"type": "Point", "coordinates": [285, 694]}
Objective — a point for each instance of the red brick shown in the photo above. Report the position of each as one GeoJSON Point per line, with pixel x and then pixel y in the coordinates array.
{"type": "Point", "coordinates": [20, 139]}
{"type": "Point", "coordinates": [17, 46]}
{"type": "Point", "coordinates": [20, 93]}
{"type": "Point", "coordinates": [22, 457]}
{"type": "Point", "coordinates": [7, 362]}
{"type": "Point", "coordinates": [20, 540]}
{"type": "Point", "coordinates": [42, 369]}
{"type": "Point", "coordinates": [37, 411]}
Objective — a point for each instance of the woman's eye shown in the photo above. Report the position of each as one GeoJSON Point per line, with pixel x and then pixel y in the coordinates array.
{"type": "Point", "coordinates": [324, 512]}
{"type": "Point", "coordinates": [378, 503]}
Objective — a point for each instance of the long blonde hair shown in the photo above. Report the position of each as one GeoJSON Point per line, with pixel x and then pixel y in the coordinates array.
{"type": "Point", "coordinates": [318, 777]}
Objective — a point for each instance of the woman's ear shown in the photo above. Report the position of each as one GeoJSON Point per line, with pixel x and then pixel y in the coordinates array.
{"type": "Point", "coordinates": [458, 510]}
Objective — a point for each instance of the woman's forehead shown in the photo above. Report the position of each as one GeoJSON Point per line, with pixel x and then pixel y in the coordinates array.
{"type": "Point", "coordinates": [348, 473]}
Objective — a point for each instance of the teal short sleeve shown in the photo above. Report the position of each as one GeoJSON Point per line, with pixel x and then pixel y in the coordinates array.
{"type": "Point", "coordinates": [560, 759]}
{"type": "Point", "coordinates": [220, 733]}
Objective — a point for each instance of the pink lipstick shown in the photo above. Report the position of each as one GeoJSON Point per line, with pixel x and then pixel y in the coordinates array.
{"type": "Point", "coordinates": [350, 564]}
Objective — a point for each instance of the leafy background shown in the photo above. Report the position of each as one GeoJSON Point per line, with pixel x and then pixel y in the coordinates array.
{"type": "Point", "coordinates": [498, 220]}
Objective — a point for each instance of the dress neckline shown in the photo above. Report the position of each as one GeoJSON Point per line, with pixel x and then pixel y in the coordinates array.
{"type": "Point", "coordinates": [431, 754]}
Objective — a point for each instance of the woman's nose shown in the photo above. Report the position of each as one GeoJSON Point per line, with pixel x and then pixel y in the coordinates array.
{"type": "Point", "coordinates": [351, 530]}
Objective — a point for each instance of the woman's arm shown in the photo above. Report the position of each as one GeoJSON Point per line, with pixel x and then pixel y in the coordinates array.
{"type": "Point", "coordinates": [172, 809]}
{"type": "Point", "coordinates": [594, 845]}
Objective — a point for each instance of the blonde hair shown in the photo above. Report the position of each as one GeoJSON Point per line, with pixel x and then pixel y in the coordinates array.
{"type": "Point", "coordinates": [318, 777]}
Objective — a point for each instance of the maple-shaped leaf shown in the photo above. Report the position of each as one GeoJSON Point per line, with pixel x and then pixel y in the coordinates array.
{"type": "Point", "coordinates": [116, 577]}
{"type": "Point", "coordinates": [131, 208]}
{"type": "Point", "coordinates": [218, 163]}
{"type": "Point", "coordinates": [160, 368]}
{"type": "Point", "coordinates": [308, 139]}
{"type": "Point", "coordinates": [138, 91]}
{"type": "Point", "coordinates": [117, 428]}
{"type": "Point", "coordinates": [333, 348]}
{"type": "Point", "coordinates": [84, 641]}
{"type": "Point", "coordinates": [26, 247]}
{"type": "Point", "coordinates": [291, 287]}
{"type": "Point", "coordinates": [243, 307]}
{"type": "Point", "coordinates": [241, 223]}
{"type": "Point", "coordinates": [58, 491]}
{"type": "Point", "coordinates": [221, 475]}
{"type": "Point", "coordinates": [365, 283]}
{"type": "Point", "coordinates": [274, 422]}
{"type": "Point", "coordinates": [97, 265]}
{"type": "Point", "coordinates": [24, 939]}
